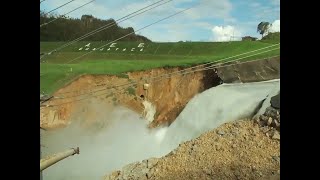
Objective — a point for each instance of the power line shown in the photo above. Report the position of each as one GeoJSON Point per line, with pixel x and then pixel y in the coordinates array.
{"type": "Point", "coordinates": [146, 27]}
{"type": "Point", "coordinates": [66, 13]}
{"type": "Point", "coordinates": [114, 87]}
{"type": "Point", "coordinates": [110, 25]}
{"type": "Point", "coordinates": [208, 63]}
{"type": "Point", "coordinates": [110, 93]}
{"type": "Point", "coordinates": [42, 1]}
{"type": "Point", "coordinates": [202, 69]}
{"type": "Point", "coordinates": [103, 27]}
{"type": "Point", "coordinates": [139, 29]}
{"type": "Point", "coordinates": [246, 57]}
{"type": "Point", "coordinates": [169, 75]}
{"type": "Point", "coordinates": [223, 59]}
{"type": "Point", "coordinates": [58, 7]}
{"type": "Point", "coordinates": [164, 75]}
{"type": "Point", "coordinates": [134, 32]}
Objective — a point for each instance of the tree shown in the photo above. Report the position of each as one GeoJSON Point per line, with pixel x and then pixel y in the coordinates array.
{"type": "Point", "coordinates": [263, 27]}
{"type": "Point", "coordinates": [66, 29]}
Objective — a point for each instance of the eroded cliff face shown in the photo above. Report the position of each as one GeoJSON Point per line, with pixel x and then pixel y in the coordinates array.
{"type": "Point", "coordinates": [91, 94]}
{"type": "Point", "coordinates": [170, 95]}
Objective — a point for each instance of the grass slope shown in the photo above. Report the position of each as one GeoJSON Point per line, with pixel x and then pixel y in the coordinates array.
{"type": "Point", "coordinates": [56, 72]}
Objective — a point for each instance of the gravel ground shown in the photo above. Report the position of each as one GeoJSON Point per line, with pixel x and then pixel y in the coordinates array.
{"type": "Point", "coordinates": [243, 149]}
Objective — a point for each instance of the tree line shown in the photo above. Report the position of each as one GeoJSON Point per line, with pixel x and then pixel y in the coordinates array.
{"type": "Point", "coordinates": [264, 27]}
{"type": "Point", "coordinates": [66, 29]}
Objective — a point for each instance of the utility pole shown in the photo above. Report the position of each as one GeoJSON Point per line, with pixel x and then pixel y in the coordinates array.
{"type": "Point", "coordinates": [233, 35]}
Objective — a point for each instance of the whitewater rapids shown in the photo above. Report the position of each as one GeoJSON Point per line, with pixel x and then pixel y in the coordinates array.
{"type": "Point", "coordinates": [121, 137]}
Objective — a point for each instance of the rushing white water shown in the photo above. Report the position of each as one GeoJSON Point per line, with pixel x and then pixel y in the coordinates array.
{"type": "Point", "coordinates": [212, 108]}
{"type": "Point", "coordinates": [149, 111]}
{"type": "Point", "coordinates": [121, 137]}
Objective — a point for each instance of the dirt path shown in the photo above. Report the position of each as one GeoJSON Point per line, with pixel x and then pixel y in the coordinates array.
{"type": "Point", "coordinates": [239, 150]}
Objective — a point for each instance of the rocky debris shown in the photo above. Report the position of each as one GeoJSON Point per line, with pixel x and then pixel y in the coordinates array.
{"type": "Point", "coordinates": [152, 162]}
{"type": "Point", "coordinates": [137, 170]}
{"type": "Point", "coordinates": [270, 123]}
{"type": "Point", "coordinates": [276, 158]}
{"type": "Point", "coordinates": [275, 101]}
{"type": "Point", "coordinates": [113, 175]}
{"type": "Point", "coordinates": [248, 155]}
{"type": "Point", "coordinates": [44, 98]}
{"type": "Point", "coordinates": [270, 132]}
{"type": "Point", "coordinates": [273, 113]}
{"type": "Point", "coordinates": [220, 132]}
{"type": "Point", "coordinates": [276, 135]}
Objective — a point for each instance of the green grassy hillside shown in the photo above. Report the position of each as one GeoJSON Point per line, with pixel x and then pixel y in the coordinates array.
{"type": "Point", "coordinates": [103, 61]}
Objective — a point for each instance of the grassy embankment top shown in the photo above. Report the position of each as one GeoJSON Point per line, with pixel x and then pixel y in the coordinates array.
{"type": "Point", "coordinates": [55, 72]}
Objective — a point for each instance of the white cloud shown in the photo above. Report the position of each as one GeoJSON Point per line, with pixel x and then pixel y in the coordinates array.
{"type": "Point", "coordinates": [225, 33]}
{"type": "Point", "coordinates": [186, 25]}
{"type": "Point", "coordinates": [275, 26]}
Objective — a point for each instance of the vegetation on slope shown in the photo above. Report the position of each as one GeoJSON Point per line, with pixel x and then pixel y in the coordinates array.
{"type": "Point", "coordinates": [271, 37]}
{"type": "Point", "coordinates": [56, 73]}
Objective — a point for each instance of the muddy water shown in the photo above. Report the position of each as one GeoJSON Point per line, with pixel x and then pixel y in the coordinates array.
{"type": "Point", "coordinates": [120, 136]}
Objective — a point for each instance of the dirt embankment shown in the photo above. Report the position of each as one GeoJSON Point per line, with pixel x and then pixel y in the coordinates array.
{"type": "Point", "coordinates": [168, 95]}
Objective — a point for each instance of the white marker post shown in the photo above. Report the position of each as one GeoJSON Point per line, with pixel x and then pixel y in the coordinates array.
{"type": "Point", "coordinates": [141, 45]}
{"type": "Point", "coordinates": [113, 45]}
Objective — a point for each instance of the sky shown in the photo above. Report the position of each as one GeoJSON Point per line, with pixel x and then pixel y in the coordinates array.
{"type": "Point", "coordinates": [207, 20]}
